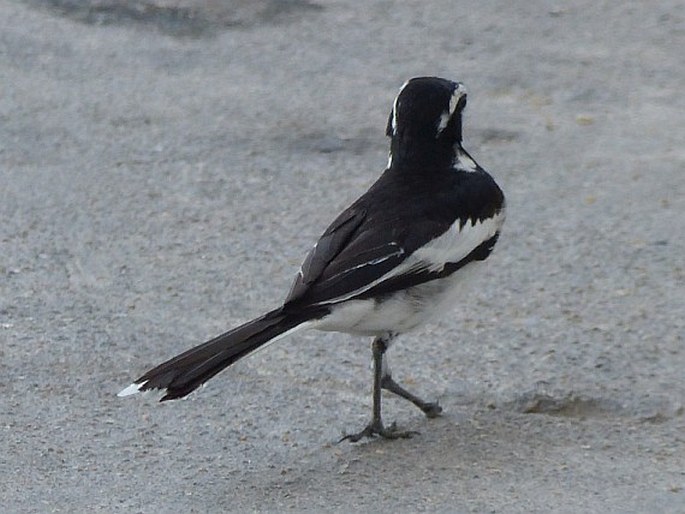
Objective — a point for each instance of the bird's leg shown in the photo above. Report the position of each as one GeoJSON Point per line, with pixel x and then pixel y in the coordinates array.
{"type": "Point", "coordinates": [376, 427]}
{"type": "Point", "coordinates": [430, 409]}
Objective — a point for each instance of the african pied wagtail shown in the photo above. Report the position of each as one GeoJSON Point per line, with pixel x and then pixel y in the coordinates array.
{"type": "Point", "coordinates": [388, 263]}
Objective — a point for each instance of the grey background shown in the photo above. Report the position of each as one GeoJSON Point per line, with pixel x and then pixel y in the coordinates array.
{"type": "Point", "coordinates": [165, 167]}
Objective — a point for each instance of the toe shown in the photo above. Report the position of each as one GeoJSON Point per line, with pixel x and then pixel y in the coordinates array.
{"type": "Point", "coordinates": [432, 410]}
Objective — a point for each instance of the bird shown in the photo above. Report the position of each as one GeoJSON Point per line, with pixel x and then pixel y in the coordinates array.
{"type": "Point", "coordinates": [391, 261]}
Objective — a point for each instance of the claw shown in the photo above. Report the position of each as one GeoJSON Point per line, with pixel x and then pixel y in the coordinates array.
{"type": "Point", "coordinates": [374, 429]}
{"type": "Point", "coordinates": [431, 410]}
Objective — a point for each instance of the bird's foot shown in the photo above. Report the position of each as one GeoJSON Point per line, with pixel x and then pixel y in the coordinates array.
{"type": "Point", "coordinates": [431, 410]}
{"type": "Point", "coordinates": [377, 429]}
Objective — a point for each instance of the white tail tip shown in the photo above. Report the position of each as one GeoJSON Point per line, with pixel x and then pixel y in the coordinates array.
{"type": "Point", "coordinates": [130, 390]}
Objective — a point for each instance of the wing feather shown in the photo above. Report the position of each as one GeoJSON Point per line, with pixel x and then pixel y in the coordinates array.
{"type": "Point", "coordinates": [374, 247]}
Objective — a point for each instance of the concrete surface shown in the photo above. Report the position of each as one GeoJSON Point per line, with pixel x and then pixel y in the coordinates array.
{"type": "Point", "coordinates": [165, 167]}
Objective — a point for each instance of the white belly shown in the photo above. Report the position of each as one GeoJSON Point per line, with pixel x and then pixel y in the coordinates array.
{"type": "Point", "coordinates": [402, 311]}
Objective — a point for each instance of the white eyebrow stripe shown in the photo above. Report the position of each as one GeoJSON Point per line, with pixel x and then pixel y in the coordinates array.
{"type": "Point", "coordinates": [394, 115]}
{"type": "Point", "coordinates": [459, 91]}
{"type": "Point", "coordinates": [395, 105]}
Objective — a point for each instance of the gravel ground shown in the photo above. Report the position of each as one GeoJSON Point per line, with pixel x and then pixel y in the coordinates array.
{"type": "Point", "coordinates": [166, 166]}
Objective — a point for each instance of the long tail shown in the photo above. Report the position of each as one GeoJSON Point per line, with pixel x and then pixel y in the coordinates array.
{"type": "Point", "coordinates": [186, 372]}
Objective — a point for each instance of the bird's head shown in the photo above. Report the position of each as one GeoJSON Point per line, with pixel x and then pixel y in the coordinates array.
{"type": "Point", "coordinates": [425, 122]}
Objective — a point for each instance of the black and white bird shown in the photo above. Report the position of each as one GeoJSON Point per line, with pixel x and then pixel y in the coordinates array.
{"type": "Point", "coordinates": [388, 263]}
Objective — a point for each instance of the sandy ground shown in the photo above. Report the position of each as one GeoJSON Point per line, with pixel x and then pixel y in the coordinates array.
{"type": "Point", "coordinates": [165, 167]}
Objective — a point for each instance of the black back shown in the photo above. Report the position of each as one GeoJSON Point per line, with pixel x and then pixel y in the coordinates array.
{"type": "Point", "coordinates": [420, 196]}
